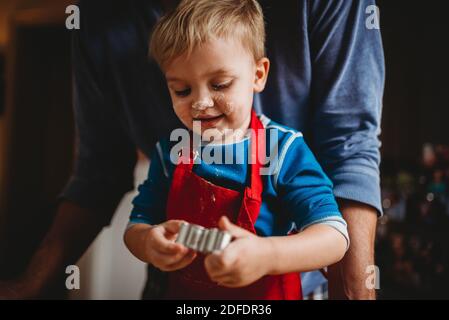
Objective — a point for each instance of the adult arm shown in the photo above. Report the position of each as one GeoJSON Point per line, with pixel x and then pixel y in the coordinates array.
{"type": "Point", "coordinates": [348, 72]}
{"type": "Point", "coordinates": [103, 170]}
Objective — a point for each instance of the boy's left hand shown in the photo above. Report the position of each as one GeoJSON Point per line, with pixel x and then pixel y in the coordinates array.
{"type": "Point", "coordinates": [243, 261]}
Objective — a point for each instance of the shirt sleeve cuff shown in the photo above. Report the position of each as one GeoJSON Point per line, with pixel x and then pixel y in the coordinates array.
{"type": "Point", "coordinates": [337, 223]}
{"type": "Point", "coordinates": [133, 223]}
{"type": "Point", "coordinates": [360, 187]}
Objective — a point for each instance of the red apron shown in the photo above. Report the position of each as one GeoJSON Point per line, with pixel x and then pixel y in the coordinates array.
{"type": "Point", "coordinates": [195, 200]}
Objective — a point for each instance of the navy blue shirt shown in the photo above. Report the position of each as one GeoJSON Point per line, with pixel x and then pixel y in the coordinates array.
{"type": "Point", "coordinates": [326, 80]}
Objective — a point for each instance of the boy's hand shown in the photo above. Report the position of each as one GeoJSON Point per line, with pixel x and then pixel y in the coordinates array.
{"type": "Point", "coordinates": [162, 251]}
{"type": "Point", "coordinates": [245, 260]}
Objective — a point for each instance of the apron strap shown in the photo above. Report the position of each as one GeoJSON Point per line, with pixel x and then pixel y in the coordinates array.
{"type": "Point", "coordinates": [257, 146]}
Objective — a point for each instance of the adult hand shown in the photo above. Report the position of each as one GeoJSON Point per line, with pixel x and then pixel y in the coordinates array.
{"type": "Point", "coordinates": [16, 290]}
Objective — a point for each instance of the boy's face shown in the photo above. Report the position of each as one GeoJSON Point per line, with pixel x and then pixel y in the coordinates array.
{"type": "Point", "coordinates": [215, 86]}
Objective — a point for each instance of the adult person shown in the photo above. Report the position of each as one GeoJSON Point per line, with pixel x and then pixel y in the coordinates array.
{"type": "Point", "coordinates": [326, 80]}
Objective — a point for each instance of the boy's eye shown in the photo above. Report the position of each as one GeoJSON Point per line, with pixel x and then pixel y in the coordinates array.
{"type": "Point", "coordinates": [183, 93]}
{"type": "Point", "coordinates": [221, 86]}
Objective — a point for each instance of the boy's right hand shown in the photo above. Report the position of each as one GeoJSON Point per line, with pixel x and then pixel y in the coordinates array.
{"type": "Point", "coordinates": [162, 251]}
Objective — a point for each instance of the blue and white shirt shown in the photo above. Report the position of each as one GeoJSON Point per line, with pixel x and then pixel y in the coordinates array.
{"type": "Point", "coordinates": [297, 193]}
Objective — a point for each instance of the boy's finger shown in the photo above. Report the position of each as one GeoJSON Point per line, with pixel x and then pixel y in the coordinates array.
{"type": "Point", "coordinates": [218, 275]}
{"type": "Point", "coordinates": [216, 264]}
{"type": "Point", "coordinates": [225, 281]}
{"type": "Point", "coordinates": [163, 245]}
{"type": "Point", "coordinates": [184, 262]}
{"type": "Point", "coordinates": [211, 265]}
{"type": "Point", "coordinates": [166, 260]}
{"type": "Point", "coordinates": [234, 230]}
{"type": "Point", "coordinates": [229, 282]}
{"type": "Point", "coordinates": [173, 226]}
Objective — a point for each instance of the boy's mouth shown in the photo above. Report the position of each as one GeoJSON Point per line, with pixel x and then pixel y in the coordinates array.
{"type": "Point", "coordinates": [208, 121]}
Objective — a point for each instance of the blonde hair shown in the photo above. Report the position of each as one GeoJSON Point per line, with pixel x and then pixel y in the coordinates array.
{"type": "Point", "coordinates": [194, 22]}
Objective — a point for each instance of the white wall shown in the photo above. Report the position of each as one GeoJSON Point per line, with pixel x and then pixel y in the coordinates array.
{"type": "Point", "coordinates": [108, 270]}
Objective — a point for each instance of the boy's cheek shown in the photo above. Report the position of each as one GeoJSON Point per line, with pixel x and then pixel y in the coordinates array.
{"type": "Point", "coordinates": [183, 113]}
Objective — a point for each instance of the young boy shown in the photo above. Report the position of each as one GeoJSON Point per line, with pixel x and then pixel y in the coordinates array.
{"type": "Point", "coordinates": [212, 54]}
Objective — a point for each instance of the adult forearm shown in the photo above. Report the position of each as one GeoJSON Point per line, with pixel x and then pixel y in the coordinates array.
{"type": "Point", "coordinates": [348, 278]}
{"type": "Point", "coordinates": [70, 234]}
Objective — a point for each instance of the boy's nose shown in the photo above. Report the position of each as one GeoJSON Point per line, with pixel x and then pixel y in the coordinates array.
{"type": "Point", "coordinates": [203, 103]}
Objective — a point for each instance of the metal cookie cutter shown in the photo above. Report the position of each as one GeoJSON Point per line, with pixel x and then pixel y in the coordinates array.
{"type": "Point", "coordinates": [201, 239]}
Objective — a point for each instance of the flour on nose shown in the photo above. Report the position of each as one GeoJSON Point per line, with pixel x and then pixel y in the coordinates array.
{"type": "Point", "coordinates": [203, 104]}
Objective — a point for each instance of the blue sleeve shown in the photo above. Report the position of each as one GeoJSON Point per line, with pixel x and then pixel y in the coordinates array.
{"type": "Point", "coordinates": [303, 188]}
{"type": "Point", "coordinates": [348, 80]}
{"type": "Point", "coordinates": [150, 202]}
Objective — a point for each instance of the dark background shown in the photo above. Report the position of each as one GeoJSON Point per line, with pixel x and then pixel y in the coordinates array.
{"type": "Point", "coordinates": [416, 100]}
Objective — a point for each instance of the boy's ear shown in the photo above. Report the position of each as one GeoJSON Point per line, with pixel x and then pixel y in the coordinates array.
{"type": "Point", "coordinates": [260, 79]}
